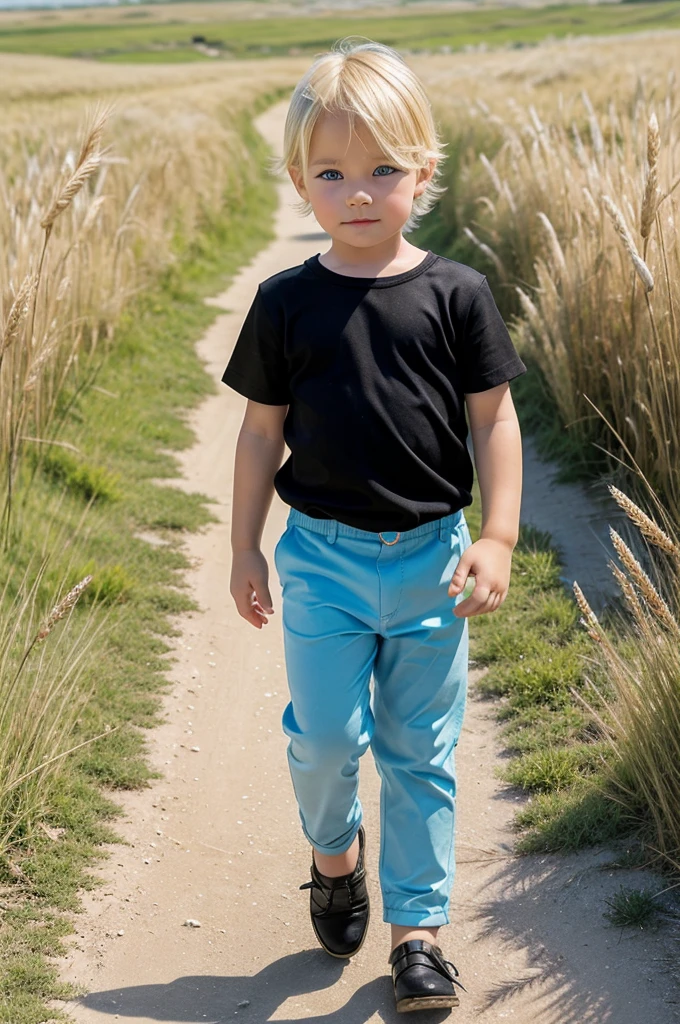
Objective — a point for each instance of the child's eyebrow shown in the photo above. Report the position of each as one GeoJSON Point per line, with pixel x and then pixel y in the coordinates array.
{"type": "Point", "coordinates": [373, 156]}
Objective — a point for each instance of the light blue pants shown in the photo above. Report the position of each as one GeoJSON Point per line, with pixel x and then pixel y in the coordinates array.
{"type": "Point", "coordinates": [357, 605]}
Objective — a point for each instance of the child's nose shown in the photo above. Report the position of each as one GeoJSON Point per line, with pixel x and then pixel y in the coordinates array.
{"type": "Point", "coordinates": [359, 196]}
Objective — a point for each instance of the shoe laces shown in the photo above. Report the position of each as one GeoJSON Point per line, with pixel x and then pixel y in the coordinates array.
{"type": "Point", "coordinates": [446, 966]}
{"type": "Point", "coordinates": [330, 891]}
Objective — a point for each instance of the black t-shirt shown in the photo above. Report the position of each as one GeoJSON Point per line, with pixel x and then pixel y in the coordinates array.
{"type": "Point", "coordinates": [374, 371]}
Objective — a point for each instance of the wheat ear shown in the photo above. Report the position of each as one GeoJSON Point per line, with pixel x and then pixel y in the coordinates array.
{"type": "Point", "coordinates": [652, 194]}
{"type": "Point", "coordinates": [64, 606]}
{"type": "Point", "coordinates": [590, 619]}
{"type": "Point", "coordinates": [643, 522]}
{"type": "Point", "coordinates": [89, 160]}
{"type": "Point", "coordinates": [596, 631]}
{"type": "Point", "coordinates": [645, 585]}
{"type": "Point", "coordinates": [643, 271]}
{"type": "Point", "coordinates": [629, 594]}
{"type": "Point", "coordinates": [18, 312]}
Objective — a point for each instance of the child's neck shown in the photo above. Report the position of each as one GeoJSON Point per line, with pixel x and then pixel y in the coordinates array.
{"type": "Point", "coordinates": [393, 256]}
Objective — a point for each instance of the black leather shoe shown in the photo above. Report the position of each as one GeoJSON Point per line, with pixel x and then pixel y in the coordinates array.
{"type": "Point", "coordinates": [339, 907]}
{"type": "Point", "coordinates": [422, 978]}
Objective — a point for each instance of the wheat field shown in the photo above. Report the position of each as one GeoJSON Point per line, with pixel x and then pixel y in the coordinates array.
{"type": "Point", "coordinates": [562, 173]}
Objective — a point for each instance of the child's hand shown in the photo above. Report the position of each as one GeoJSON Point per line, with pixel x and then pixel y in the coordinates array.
{"type": "Point", "coordinates": [489, 562]}
{"type": "Point", "coordinates": [250, 587]}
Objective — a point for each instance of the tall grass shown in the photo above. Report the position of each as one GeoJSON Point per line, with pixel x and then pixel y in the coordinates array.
{"type": "Point", "coordinates": [564, 189]}
{"type": "Point", "coordinates": [84, 228]}
{"type": "Point", "coordinates": [641, 724]}
{"type": "Point", "coordinates": [40, 696]}
{"type": "Point", "coordinates": [573, 210]}
{"type": "Point", "coordinates": [100, 198]}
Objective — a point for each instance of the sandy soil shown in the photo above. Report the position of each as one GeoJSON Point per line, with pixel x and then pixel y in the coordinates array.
{"type": "Point", "coordinates": [223, 846]}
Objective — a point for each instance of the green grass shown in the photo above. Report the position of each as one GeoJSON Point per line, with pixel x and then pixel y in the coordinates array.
{"type": "Point", "coordinates": [535, 651]}
{"type": "Point", "coordinates": [632, 908]}
{"type": "Point", "coordinates": [271, 37]}
{"type": "Point", "coordinates": [126, 444]}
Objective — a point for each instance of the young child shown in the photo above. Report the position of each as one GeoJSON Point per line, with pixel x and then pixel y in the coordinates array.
{"type": "Point", "coordinates": [364, 360]}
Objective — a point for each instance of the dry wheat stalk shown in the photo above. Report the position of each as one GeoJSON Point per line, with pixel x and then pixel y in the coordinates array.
{"type": "Point", "coordinates": [629, 593]}
{"type": "Point", "coordinates": [64, 606]}
{"type": "Point", "coordinates": [554, 242]}
{"type": "Point", "coordinates": [18, 312]}
{"type": "Point", "coordinates": [530, 309]}
{"type": "Point", "coordinates": [652, 194]}
{"type": "Point", "coordinates": [592, 205]}
{"type": "Point", "coordinates": [89, 160]}
{"type": "Point", "coordinates": [488, 251]}
{"type": "Point", "coordinates": [643, 522]}
{"type": "Point", "coordinates": [91, 214]}
{"type": "Point", "coordinates": [649, 592]}
{"type": "Point", "coordinates": [45, 353]}
{"type": "Point", "coordinates": [590, 619]}
{"type": "Point", "coordinates": [643, 271]}
{"type": "Point", "coordinates": [492, 172]}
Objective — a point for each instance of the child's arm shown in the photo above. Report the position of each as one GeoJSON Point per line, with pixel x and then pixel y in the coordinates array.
{"type": "Point", "coordinates": [497, 445]}
{"type": "Point", "coordinates": [259, 450]}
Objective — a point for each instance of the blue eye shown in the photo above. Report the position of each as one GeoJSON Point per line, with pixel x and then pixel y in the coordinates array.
{"type": "Point", "coordinates": [387, 167]}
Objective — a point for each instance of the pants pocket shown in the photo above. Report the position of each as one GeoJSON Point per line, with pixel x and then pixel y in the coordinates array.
{"type": "Point", "coordinates": [277, 549]}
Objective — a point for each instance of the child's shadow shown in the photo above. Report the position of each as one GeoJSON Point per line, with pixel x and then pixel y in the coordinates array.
{"type": "Point", "coordinates": [210, 999]}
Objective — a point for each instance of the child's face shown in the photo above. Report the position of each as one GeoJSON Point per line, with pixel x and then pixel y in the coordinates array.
{"type": "Point", "coordinates": [349, 177]}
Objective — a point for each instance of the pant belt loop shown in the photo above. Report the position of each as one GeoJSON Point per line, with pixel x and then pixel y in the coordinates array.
{"type": "Point", "coordinates": [444, 528]}
{"type": "Point", "coordinates": [332, 534]}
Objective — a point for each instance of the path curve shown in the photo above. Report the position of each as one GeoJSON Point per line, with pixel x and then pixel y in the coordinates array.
{"type": "Point", "coordinates": [218, 840]}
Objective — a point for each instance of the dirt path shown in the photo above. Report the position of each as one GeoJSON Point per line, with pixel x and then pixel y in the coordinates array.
{"type": "Point", "coordinates": [218, 839]}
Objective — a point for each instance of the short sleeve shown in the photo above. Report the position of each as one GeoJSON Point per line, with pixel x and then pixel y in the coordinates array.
{"type": "Point", "coordinates": [488, 356]}
{"type": "Point", "coordinates": [257, 367]}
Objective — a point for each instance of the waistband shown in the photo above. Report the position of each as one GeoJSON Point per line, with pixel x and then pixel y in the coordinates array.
{"type": "Point", "coordinates": [332, 528]}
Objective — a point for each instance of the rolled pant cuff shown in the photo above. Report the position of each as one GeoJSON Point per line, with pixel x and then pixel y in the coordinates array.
{"type": "Point", "coordinates": [333, 851]}
{"type": "Point", "coordinates": [416, 918]}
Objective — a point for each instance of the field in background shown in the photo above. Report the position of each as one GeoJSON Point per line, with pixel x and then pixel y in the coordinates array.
{"type": "Point", "coordinates": [179, 203]}
{"type": "Point", "coordinates": [97, 369]}
{"type": "Point", "coordinates": [164, 33]}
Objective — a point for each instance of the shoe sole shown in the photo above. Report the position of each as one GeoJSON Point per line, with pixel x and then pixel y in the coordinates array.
{"type": "Point", "coordinates": [426, 1003]}
{"type": "Point", "coordinates": [343, 956]}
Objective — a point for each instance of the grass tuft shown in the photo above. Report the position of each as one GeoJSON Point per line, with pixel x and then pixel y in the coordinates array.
{"type": "Point", "coordinates": [632, 908]}
{"type": "Point", "coordinates": [79, 477]}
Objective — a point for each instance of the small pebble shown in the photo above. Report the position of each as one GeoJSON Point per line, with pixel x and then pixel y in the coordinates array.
{"type": "Point", "coordinates": [191, 923]}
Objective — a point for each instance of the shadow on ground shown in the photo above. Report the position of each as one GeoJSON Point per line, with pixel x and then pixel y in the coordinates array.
{"type": "Point", "coordinates": [213, 1000]}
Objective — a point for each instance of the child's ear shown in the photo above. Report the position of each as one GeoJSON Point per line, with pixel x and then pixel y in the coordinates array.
{"type": "Point", "coordinates": [424, 175]}
{"type": "Point", "coordinates": [298, 181]}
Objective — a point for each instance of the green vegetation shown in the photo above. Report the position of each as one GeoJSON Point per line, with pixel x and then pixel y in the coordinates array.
{"type": "Point", "coordinates": [535, 651]}
{"type": "Point", "coordinates": [632, 908]}
{"type": "Point", "coordinates": [84, 512]}
{"type": "Point", "coordinates": [271, 37]}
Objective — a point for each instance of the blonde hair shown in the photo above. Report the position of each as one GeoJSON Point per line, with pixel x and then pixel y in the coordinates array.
{"type": "Point", "coordinates": [372, 82]}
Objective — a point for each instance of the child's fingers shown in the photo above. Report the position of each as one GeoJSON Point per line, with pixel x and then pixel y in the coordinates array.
{"type": "Point", "coordinates": [473, 604]}
{"type": "Point", "coordinates": [460, 577]}
{"type": "Point", "coordinates": [262, 596]}
{"type": "Point", "coordinates": [250, 609]}
{"type": "Point", "coordinates": [478, 604]}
